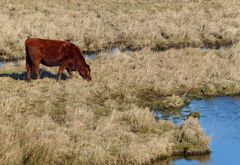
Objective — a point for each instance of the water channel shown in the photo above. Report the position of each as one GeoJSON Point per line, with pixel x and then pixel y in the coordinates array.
{"type": "Point", "coordinates": [220, 119]}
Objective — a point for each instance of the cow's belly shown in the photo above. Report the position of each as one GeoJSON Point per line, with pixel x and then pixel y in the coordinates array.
{"type": "Point", "coordinates": [50, 62]}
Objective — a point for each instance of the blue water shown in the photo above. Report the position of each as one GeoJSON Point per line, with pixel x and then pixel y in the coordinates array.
{"type": "Point", "coordinates": [1, 65]}
{"type": "Point", "coordinates": [220, 119]}
{"type": "Point", "coordinates": [14, 63]}
{"type": "Point", "coordinates": [90, 56]}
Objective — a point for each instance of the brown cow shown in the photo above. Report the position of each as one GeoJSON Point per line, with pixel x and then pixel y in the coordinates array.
{"type": "Point", "coordinates": [64, 54]}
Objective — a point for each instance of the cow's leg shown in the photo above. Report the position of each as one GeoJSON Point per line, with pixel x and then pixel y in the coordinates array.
{"type": "Point", "coordinates": [29, 71]}
{"type": "Point", "coordinates": [70, 73]}
{"type": "Point", "coordinates": [61, 69]}
{"type": "Point", "coordinates": [37, 69]}
{"type": "Point", "coordinates": [29, 65]}
{"type": "Point", "coordinates": [34, 61]}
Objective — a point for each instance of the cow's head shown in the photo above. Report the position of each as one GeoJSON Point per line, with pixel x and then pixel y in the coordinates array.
{"type": "Point", "coordinates": [85, 72]}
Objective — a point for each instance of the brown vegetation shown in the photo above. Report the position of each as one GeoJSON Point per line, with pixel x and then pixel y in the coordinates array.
{"type": "Point", "coordinates": [134, 24]}
{"type": "Point", "coordinates": [45, 122]}
{"type": "Point", "coordinates": [109, 120]}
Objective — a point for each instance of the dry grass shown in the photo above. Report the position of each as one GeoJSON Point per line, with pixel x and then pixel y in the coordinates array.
{"type": "Point", "coordinates": [108, 121]}
{"type": "Point", "coordinates": [45, 122]}
{"type": "Point", "coordinates": [135, 24]}
{"type": "Point", "coordinates": [105, 122]}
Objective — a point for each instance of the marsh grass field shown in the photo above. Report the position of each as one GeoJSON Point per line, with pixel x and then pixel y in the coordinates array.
{"type": "Point", "coordinates": [100, 25]}
{"type": "Point", "coordinates": [110, 120]}
{"type": "Point", "coordinates": [102, 122]}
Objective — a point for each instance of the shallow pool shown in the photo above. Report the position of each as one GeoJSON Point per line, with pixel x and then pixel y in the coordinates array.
{"type": "Point", "coordinates": [1, 65]}
{"type": "Point", "coordinates": [220, 118]}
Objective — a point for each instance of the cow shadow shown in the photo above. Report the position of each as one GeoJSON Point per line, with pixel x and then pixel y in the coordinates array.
{"type": "Point", "coordinates": [23, 75]}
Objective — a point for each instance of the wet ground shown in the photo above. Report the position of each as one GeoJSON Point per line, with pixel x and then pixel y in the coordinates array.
{"type": "Point", "coordinates": [220, 119]}
{"type": "Point", "coordinates": [13, 63]}
{"type": "Point", "coordinates": [89, 56]}
{"type": "Point", "coordinates": [1, 64]}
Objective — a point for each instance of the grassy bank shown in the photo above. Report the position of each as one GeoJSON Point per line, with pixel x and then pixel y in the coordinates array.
{"type": "Point", "coordinates": [109, 120]}
{"type": "Point", "coordinates": [134, 24]}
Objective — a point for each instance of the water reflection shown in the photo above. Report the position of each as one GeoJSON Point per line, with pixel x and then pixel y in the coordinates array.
{"type": "Point", "coordinates": [221, 49]}
{"type": "Point", "coordinates": [92, 56]}
{"type": "Point", "coordinates": [177, 116]}
{"type": "Point", "coordinates": [220, 119]}
{"type": "Point", "coordinates": [12, 63]}
{"type": "Point", "coordinates": [1, 65]}
{"type": "Point", "coordinates": [201, 159]}
{"type": "Point", "coordinates": [115, 51]}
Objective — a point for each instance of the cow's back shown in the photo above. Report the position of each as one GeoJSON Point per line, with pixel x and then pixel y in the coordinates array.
{"type": "Point", "coordinates": [49, 52]}
{"type": "Point", "coordinates": [49, 45]}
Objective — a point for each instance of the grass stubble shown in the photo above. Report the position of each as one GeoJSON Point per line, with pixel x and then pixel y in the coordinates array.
{"type": "Point", "coordinates": [110, 120]}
